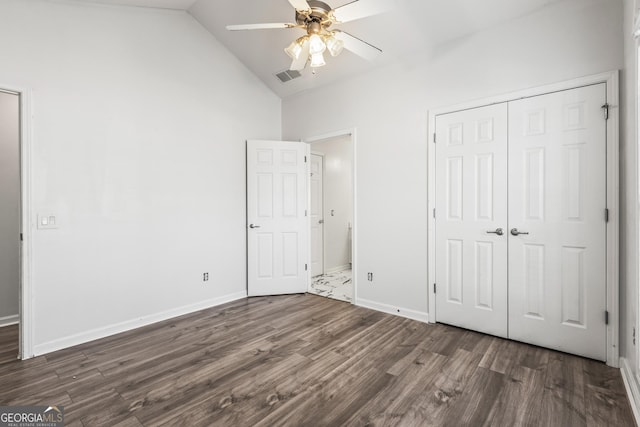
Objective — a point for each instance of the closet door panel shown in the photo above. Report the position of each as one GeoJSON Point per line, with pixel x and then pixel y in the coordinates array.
{"type": "Point", "coordinates": [471, 195]}
{"type": "Point", "coordinates": [557, 201]}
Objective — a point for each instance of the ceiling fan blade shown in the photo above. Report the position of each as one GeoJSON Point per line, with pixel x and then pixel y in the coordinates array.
{"type": "Point", "coordinates": [361, 9]}
{"type": "Point", "coordinates": [301, 62]}
{"type": "Point", "coordinates": [300, 4]}
{"type": "Point", "coordinates": [258, 26]}
{"type": "Point", "coordinates": [357, 46]}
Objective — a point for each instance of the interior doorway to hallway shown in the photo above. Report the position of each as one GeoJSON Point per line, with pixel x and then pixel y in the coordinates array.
{"type": "Point", "coordinates": [332, 217]}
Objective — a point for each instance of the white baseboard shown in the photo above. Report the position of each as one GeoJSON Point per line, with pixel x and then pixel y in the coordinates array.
{"type": "Point", "coordinates": [398, 311]}
{"type": "Point", "coordinates": [117, 328]}
{"type": "Point", "coordinates": [9, 320]}
{"type": "Point", "coordinates": [632, 386]}
{"type": "Point", "coordinates": [338, 268]}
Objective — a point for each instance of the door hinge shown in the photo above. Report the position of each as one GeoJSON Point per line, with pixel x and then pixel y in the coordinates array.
{"type": "Point", "coordinates": [606, 317]}
{"type": "Point", "coordinates": [434, 213]}
{"type": "Point", "coordinates": [305, 267]}
{"type": "Point", "coordinates": [434, 138]}
{"type": "Point", "coordinates": [606, 215]}
{"type": "Point", "coordinates": [305, 212]}
{"type": "Point", "coordinates": [305, 159]}
{"type": "Point", "coordinates": [21, 239]}
{"type": "Point", "coordinates": [605, 108]}
{"type": "Point", "coordinates": [434, 288]}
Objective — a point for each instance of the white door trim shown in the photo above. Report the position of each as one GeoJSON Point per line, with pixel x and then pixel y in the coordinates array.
{"type": "Point", "coordinates": [26, 302]}
{"type": "Point", "coordinates": [324, 255]}
{"type": "Point", "coordinates": [354, 230]}
{"type": "Point", "coordinates": [611, 79]}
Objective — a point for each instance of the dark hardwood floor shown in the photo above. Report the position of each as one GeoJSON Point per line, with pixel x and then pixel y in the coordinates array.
{"type": "Point", "coordinates": [304, 360]}
{"type": "Point", "coordinates": [8, 344]}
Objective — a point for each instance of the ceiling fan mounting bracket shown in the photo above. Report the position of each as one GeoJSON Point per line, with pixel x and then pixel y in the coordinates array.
{"type": "Point", "coordinates": [319, 13]}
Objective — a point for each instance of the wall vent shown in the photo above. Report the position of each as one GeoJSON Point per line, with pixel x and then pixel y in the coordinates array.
{"type": "Point", "coordinates": [288, 75]}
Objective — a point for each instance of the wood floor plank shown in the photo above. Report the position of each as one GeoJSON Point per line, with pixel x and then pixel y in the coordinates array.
{"type": "Point", "coordinates": [358, 364]}
{"type": "Point", "coordinates": [308, 360]}
{"type": "Point", "coordinates": [393, 403]}
{"type": "Point", "coordinates": [145, 371]}
{"type": "Point", "coordinates": [20, 367]}
{"type": "Point", "coordinates": [257, 391]}
{"type": "Point", "coordinates": [519, 402]}
{"type": "Point", "coordinates": [351, 328]}
{"type": "Point", "coordinates": [176, 397]}
{"type": "Point", "coordinates": [563, 399]}
{"type": "Point", "coordinates": [605, 396]}
{"type": "Point", "coordinates": [477, 400]}
{"type": "Point", "coordinates": [129, 422]}
{"type": "Point", "coordinates": [9, 344]}
{"type": "Point", "coordinates": [99, 409]}
{"type": "Point", "coordinates": [449, 386]}
{"type": "Point", "coordinates": [375, 369]}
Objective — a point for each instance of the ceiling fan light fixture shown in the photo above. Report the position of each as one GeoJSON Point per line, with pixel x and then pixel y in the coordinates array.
{"type": "Point", "coordinates": [317, 60]}
{"type": "Point", "coordinates": [316, 17]}
{"type": "Point", "coordinates": [294, 49]}
{"type": "Point", "coordinates": [316, 45]}
{"type": "Point", "coordinates": [334, 45]}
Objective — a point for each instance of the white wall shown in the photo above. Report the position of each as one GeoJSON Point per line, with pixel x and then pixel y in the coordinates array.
{"type": "Point", "coordinates": [338, 197]}
{"type": "Point", "coordinates": [389, 109]}
{"type": "Point", "coordinates": [140, 121]}
{"type": "Point", "coordinates": [9, 206]}
{"type": "Point", "coordinates": [629, 199]}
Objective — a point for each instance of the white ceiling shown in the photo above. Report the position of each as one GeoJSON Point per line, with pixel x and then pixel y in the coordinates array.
{"type": "Point", "coordinates": [158, 4]}
{"type": "Point", "coordinates": [413, 27]}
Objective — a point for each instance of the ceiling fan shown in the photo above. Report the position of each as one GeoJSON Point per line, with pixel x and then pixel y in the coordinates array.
{"type": "Point", "coordinates": [316, 18]}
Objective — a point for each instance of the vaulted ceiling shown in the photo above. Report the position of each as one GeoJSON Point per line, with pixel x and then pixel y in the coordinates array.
{"type": "Point", "coordinates": [411, 28]}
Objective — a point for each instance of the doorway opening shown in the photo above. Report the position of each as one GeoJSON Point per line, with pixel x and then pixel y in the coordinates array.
{"type": "Point", "coordinates": [331, 217]}
{"type": "Point", "coordinates": [10, 225]}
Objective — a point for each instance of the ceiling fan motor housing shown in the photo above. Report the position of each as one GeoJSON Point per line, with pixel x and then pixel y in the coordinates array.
{"type": "Point", "coordinates": [317, 19]}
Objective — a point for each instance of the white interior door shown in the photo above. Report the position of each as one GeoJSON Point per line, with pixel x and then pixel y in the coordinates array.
{"type": "Point", "coordinates": [316, 215]}
{"type": "Point", "coordinates": [276, 218]}
{"type": "Point", "coordinates": [471, 221]}
{"type": "Point", "coordinates": [557, 195]}
{"type": "Point", "coordinates": [9, 208]}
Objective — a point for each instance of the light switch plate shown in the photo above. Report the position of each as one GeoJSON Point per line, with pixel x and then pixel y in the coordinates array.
{"type": "Point", "coordinates": [47, 221]}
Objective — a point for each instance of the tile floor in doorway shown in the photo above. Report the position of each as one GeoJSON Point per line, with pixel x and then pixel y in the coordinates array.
{"type": "Point", "coordinates": [336, 285]}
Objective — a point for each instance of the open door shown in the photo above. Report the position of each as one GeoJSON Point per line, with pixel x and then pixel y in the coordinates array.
{"type": "Point", "coordinates": [277, 226]}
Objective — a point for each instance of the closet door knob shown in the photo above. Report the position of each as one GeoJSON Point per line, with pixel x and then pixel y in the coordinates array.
{"type": "Point", "coordinates": [498, 231]}
{"type": "Point", "coordinates": [253, 226]}
{"type": "Point", "coordinates": [515, 232]}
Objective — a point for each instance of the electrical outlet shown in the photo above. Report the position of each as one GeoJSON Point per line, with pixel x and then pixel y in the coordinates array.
{"type": "Point", "coordinates": [205, 277]}
{"type": "Point", "coordinates": [370, 277]}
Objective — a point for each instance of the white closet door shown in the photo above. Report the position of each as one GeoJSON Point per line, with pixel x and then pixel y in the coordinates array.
{"type": "Point", "coordinates": [471, 195]}
{"type": "Point", "coordinates": [557, 194]}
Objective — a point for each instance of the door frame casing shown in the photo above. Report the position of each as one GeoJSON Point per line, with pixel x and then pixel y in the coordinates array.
{"type": "Point", "coordinates": [316, 153]}
{"type": "Point", "coordinates": [354, 251]}
{"type": "Point", "coordinates": [611, 79]}
{"type": "Point", "coordinates": [26, 326]}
